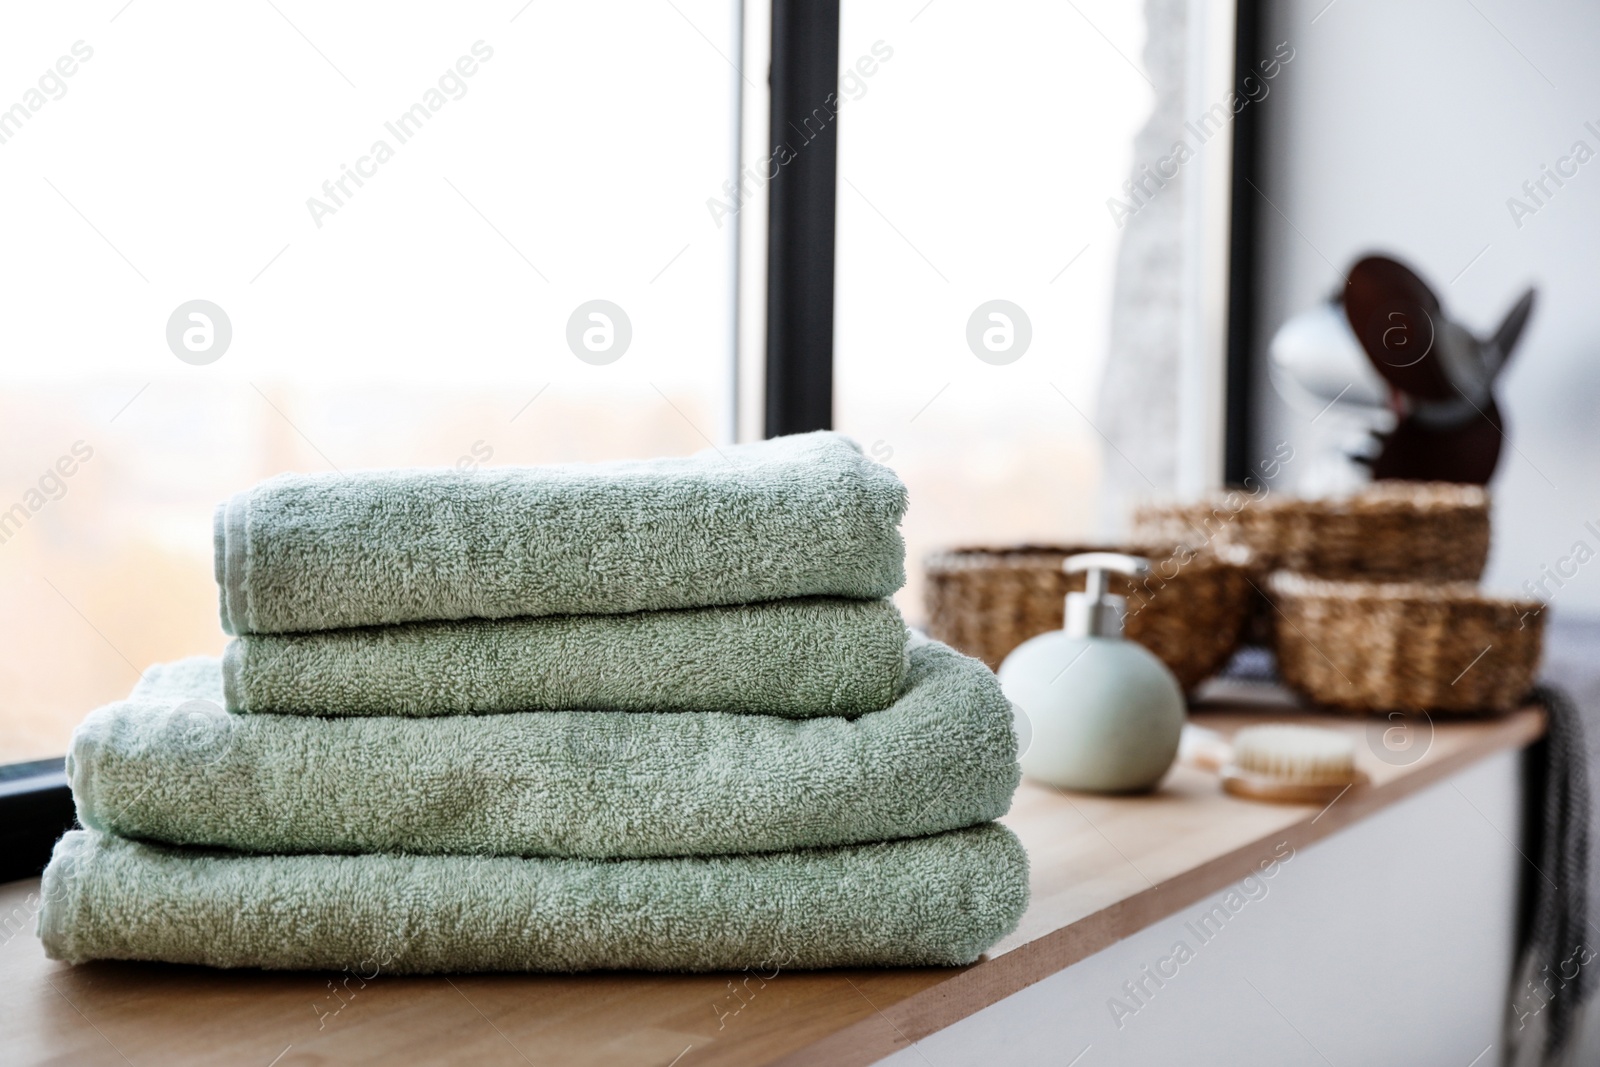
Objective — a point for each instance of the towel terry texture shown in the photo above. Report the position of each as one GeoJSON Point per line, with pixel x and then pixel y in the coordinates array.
{"type": "Point", "coordinates": [796, 658]}
{"type": "Point", "coordinates": [929, 901]}
{"type": "Point", "coordinates": [806, 515]}
{"type": "Point", "coordinates": [657, 715]}
{"type": "Point", "coordinates": [170, 765]}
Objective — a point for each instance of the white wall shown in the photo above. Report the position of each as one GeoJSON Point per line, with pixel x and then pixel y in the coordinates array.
{"type": "Point", "coordinates": [1407, 128]}
{"type": "Point", "coordinates": [1389, 943]}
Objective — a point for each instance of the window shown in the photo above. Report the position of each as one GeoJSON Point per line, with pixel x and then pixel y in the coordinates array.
{"type": "Point", "coordinates": [978, 147]}
{"type": "Point", "coordinates": [401, 213]}
{"type": "Point", "coordinates": [280, 237]}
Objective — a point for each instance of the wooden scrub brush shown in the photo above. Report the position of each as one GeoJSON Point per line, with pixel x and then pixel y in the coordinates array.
{"type": "Point", "coordinates": [1291, 764]}
{"type": "Point", "coordinates": [1282, 762]}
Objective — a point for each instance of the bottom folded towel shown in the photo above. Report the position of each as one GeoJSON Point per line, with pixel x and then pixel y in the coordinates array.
{"type": "Point", "coordinates": [927, 901]}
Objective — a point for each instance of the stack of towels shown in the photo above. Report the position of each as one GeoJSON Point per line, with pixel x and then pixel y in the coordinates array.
{"type": "Point", "coordinates": [652, 715]}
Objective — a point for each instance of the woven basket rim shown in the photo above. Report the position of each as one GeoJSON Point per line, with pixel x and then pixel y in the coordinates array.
{"type": "Point", "coordinates": [1030, 556]}
{"type": "Point", "coordinates": [1393, 498]}
{"type": "Point", "coordinates": [1292, 583]}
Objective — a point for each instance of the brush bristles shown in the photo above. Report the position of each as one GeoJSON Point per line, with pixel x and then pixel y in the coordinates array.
{"type": "Point", "coordinates": [1295, 754]}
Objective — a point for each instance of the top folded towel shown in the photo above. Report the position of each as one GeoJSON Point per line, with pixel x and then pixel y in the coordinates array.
{"type": "Point", "coordinates": [795, 516]}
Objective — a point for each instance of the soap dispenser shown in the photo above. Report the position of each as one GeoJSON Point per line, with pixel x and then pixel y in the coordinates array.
{"type": "Point", "coordinates": [1105, 713]}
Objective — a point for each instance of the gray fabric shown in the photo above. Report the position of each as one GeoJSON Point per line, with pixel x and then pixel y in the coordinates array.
{"type": "Point", "coordinates": [1572, 662]}
{"type": "Point", "coordinates": [1555, 894]}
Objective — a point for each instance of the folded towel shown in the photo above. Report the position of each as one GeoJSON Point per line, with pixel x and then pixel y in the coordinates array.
{"type": "Point", "coordinates": [169, 765]}
{"type": "Point", "coordinates": [930, 901]}
{"type": "Point", "coordinates": [798, 658]}
{"type": "Point", "coordinates": [807, 515]}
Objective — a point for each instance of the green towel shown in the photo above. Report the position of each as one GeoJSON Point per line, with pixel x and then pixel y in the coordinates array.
{"type": "Point", "coordinates": [796, 658]}
{"type": "Point", "coordinates": [169, 765]}
{"type": "Point", "coordinates": [929, 901]}
{"type": "Point", "coordinates": [807, 515]}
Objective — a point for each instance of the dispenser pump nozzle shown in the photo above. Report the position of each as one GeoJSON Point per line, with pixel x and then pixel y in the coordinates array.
{"type": "Point", "coordinates": [1095, 612]}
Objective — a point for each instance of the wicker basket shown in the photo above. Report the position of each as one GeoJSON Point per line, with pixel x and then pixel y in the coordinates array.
{"type": "Point", "coordinates": [987, 601]}
{"type": "Point", "coordinates": [1405, 646]}
{"type": "Point", "coordinates": [1389, 531]}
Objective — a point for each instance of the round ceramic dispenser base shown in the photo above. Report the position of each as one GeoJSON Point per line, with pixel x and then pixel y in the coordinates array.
{"type": "Point", "coordinates": [1252, 786]}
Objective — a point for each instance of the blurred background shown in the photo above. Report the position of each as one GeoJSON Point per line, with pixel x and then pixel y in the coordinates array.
{"type": "Point", "coordinates": [423, 320]}
{"type": "Point", "coordinates": [420, 317]}
{"type": "Point", "coordinates": [1413, 129]}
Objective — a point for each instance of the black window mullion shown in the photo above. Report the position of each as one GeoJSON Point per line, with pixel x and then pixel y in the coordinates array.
{"type": "Point", "coordinates": [800, 219]}
{"type": "Point", "coordinates": [1240, 408]}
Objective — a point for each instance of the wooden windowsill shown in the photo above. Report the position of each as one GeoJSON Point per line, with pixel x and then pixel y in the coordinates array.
{"type": "Point", "coordinates": [1103, 869]}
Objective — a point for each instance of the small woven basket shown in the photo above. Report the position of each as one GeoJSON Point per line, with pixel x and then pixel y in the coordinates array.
{"type": "Point", "coordinates": [1405, 646]}
{"type": "Point", "coordinates": [987, 601]}
{"type": "Point", "coordinates": [1388, 531]}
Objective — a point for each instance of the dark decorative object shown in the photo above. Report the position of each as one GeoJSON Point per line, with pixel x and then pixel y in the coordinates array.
{"type": "Point", "coordinates": [1440, 375]}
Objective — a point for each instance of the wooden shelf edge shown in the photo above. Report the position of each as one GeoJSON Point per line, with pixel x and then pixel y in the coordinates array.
{"type": "Point", "coordinates": [987, 982]}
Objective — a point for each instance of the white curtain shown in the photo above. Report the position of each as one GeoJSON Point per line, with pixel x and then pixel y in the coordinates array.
{"type": "Point", "coordinates": [1137, 409]}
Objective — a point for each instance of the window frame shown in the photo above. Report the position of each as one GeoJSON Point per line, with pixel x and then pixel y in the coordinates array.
{"type": "Point", "coordinates": [801, 206]}
{"type": "Point", "coordinates": [35, 802]}
{"type": "Point", "coordinates": [1239, 415]}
